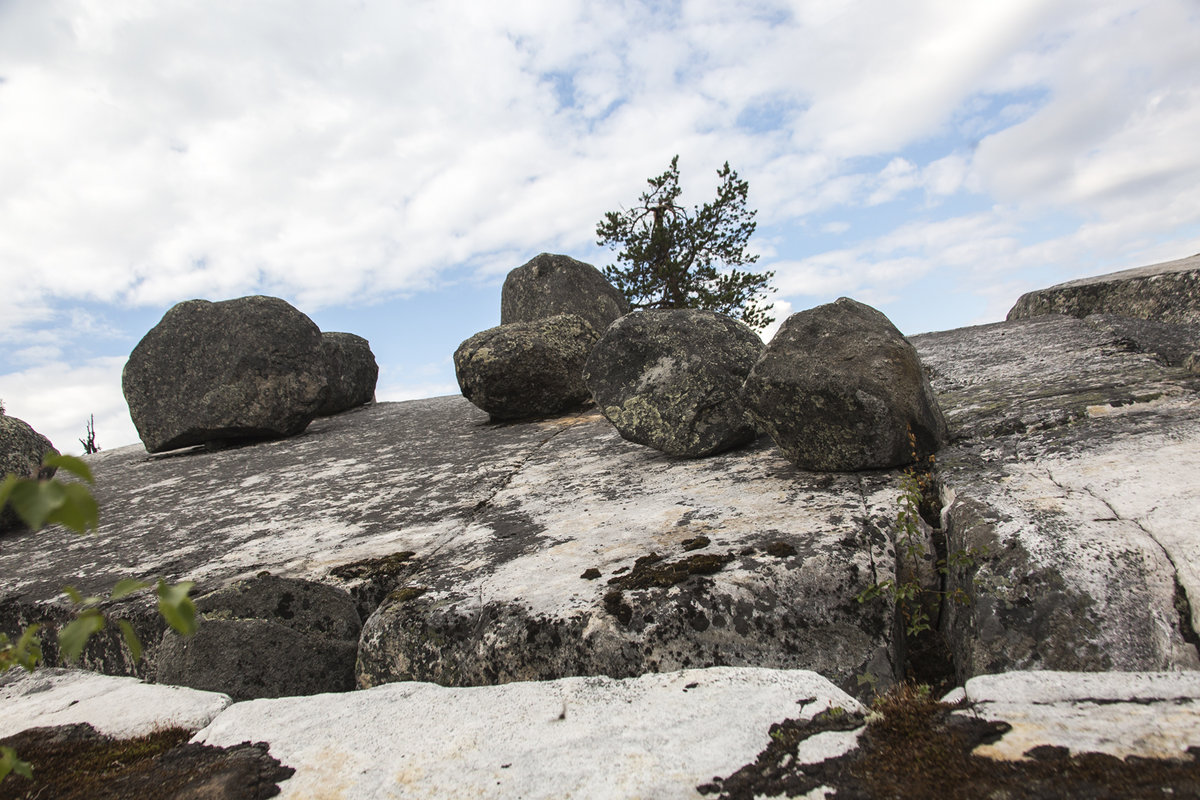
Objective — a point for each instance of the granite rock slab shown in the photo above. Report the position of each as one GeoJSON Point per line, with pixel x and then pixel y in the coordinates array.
{"type": "Point", "coordinates": [116, 706]}
{"type": "Point", "coordinates": [656, 736]}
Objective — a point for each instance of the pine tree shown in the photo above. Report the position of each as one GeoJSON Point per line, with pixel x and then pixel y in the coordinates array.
{"type": "Point", "coordinates": [670, 257]}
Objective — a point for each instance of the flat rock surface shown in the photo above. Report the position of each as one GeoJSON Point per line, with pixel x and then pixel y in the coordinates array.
{"type": "Point", "coordinates": [1073, 478]}
{"type": "Point", "coordinates": [483, 553]}
{"type": "Point", "coordinates": [656, 736]}
{"type": "Point", "coordinates": [1148, 714]}
{"type": "Point", "coordinates": [496, 525]}
{"type": "Point", "coordinates": [116, 706]}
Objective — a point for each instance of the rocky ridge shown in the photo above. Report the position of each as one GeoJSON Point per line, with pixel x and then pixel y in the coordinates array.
{"type": "Point", "coordinates": [522, 555]}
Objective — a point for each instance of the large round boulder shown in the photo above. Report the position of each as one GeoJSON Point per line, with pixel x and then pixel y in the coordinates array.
{"type": "Point", "coordinates": [350, 371]}
{"type": "Point", "coordinates": [839, 388]}
{"type": "Point", "coordinates": [526, 369]}
{"type": "Point", "coordinates": [21, 452]}
{"type": "Point", "coordinates": [670, 379]}
{"type": "Point", "coordinates": [266, 637]}
{"type": "Point", "coordinates": [249, 368]}
{"type": "Point", "coordinates": [553, 284]}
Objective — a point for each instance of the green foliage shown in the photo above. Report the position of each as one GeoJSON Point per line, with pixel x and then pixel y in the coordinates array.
{"type": "Point", "coordinates": [670, 257]}
{"type": "Point", "coordinates": [26, 652]}
{"type": "Point", "coordinates": [176, 607]}
{"type": "Point", "coordinates": [10, 763]}
{"type": "Point", "coordinates": [42, 501]}
{"type": "Point", "coordinates": [911, 598]}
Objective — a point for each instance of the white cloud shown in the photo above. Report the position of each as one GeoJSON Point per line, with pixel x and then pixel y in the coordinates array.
{"type": "Point", "coordinates": [57, 399]}
{"type": "Point", "coordinates": [155, 152]}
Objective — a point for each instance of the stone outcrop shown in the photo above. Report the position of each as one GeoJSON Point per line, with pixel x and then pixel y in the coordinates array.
{"type": "Point", "coordinates": [719, 732]}
{"type": "Point", "coordinates": [1167, 292]}
{"type": "Point", "coordinates": [483, 554]}
{"type": "Point", "coordinates": [115, 706]}
{"type": "Point", "coordinates": [526, 369]}
{"type": "Point", "coordinates": [1073, 480]}
{"type": "Point", "coordinates": [248, 368]}
{"type": "Point", "coordinates": [21, 452]}
{"type": "Point", "coordinates": [670, 380]}
{"type": "Point", "coordinates": [350, 372]}
{"type": "Point", "coordinates": [549, 285]}
{"type": "Point", "coordinates": [839, 388]}
{"type": "Point", "coordinates": [266, 637]}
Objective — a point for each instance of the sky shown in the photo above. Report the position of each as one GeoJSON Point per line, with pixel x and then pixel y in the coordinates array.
{"type": "Point", "coordinates": [383, 165]}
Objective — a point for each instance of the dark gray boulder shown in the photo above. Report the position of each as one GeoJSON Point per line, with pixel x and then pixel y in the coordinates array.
{"type": "Point", "coordinates": [249, 368]}
{"type": "Point", "coordinates": [350, 371]}
{"type": "Point", "coordinates": [526, 369]}
{"type": "Point", "coordinates": [553, 284]}
{"type": "Point", "coordinates": [1167, 292]}
{"type": "Point", "coordinates": [670, 379]}
{"type": "Point", "coordinates": [267, 637]}
{"type": "Point", "coordinates": [839, 388]}
{"type": "Point", "coordinates": [21, 452]}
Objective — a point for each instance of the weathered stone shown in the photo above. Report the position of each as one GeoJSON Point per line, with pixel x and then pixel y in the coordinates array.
{"type": "Point", "coordinates": [239, 369]}
{"type": "Point", "coordinates": [654, 736]}
{"type": "Point", "coordinates": [266, 637]}
{"type": "Point", "coordinates": [526, 369]}
{"type": "Point", "coordinates": [486, 516]}
{"type": "Point", "coordinates": [21, 452]}
{"type": "Point", "coordinates": [1074, 481]}
{"type": "Point", "coordinates": [839, 388]}
{"type": "Point", "coordinates": [1074, 459]}
{"type": "Point", "coordinates": [549, 285]}
{"type": "Point", "coordinates": [670, 380]}
{"type": "Point", "coordinates": [1169, 343]}
{"type": "Point", "coordinates": [120, 707]}
{"type": "Point", "coordinates": [350, 371]}
{"type": "Point", "coordinates": [1145, 715]}
{"type": "Point", "coordinates": [1167, 292]}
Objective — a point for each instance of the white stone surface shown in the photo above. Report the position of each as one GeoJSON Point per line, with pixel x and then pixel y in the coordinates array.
{"type": "Point", "coordinates": [657, 736]}
{"type": "Point", "coordinates": [1153, 482]}
{"type": "Point", "coordinates": [120, 707]}
{"type": "Point", "coordinates": [1148, 714]}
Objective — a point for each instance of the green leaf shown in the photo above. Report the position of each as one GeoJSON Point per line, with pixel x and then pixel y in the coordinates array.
{"type": "Point", "coordinates": [72, 464]}
{"type": "Point", "coordinates": [74, 637]}
{"type": "Point", "coordinates": [27, 652]}
{"type": "Point", "coordinates": [10, 763]}
{"type": "Point", "coordinates": [6, 487]}
{"type": "Point", "coordinates": [34, 501]}
{"type": "Point", "coordinates": [176, 607]}
{"type": "Point", "coordinates": [127, 586]}
{"type": "Point", "coordinates": [78, 510]}
{"type": "Point", "coordinates": [73, 593]}
{"type": "Point", "coordinates": [131, 639]}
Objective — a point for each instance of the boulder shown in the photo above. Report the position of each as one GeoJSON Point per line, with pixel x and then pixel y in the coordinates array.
{"type": "Point", "coordinates": [21, 452]}
{"type": "Point", "coordinates": [266, 637]}
{"type": "Point", "coordinates": [840, 388]}
{"type": "Point", "coordinates": [671, 379]}
{"type": "Point", "coordinates": [350, 371]}
{"type": "Point", "coordinates": [239, 369]}
{"type": "Point", "coordinates": [1166, 292]}
{"type": "Point", "coordinates": [526, 369]}
{"type": "Point", "coordinates": [549, 285]}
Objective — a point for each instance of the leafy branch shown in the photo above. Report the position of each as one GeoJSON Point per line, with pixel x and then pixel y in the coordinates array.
{"type": "Point", "coordinates": [41, 501]}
